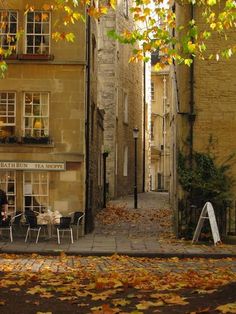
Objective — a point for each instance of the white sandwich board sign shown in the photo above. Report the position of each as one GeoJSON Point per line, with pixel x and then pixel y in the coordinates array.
{"type": "Point", "coordinates": [207, 213]}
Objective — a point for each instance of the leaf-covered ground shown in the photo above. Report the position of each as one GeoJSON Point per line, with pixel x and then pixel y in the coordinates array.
{"type": "Point", "coordinates": [116, 284]}
{"type": "Point", "coordinates": [119, 219]}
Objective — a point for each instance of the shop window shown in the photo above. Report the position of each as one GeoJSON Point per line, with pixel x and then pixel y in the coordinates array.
{"type": "Point", "coordinates": [8, 185]}
{"type": "Point", "coordinates": [8, 29]}
{"type": "Point", "coordinates": [38, 32]}
{"type": "Point", "coordinates": [36, 190]}
{"type": "Point", "coordinates": [36, 114]}
{"type": "Point", "coordinates": [7, 114]}
{"type": "Point", "coordinates": [126, 109]}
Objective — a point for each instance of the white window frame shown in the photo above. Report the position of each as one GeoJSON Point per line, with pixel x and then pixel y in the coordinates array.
{"type": "Point", "coordinates": [5, 117]}
{"type": "Point", "coordinates": [126, 8]}
{"type": "Point", "coordinates": [125, 164]}
{"type": "Point", "coordinates": [42, 48]}
{"type": "Point", "coordinates": [29, 190]}
{"type": "Point", "coordinates": [32, 129]}
{"type": "Point", "coordinates": [9, 34]}
{"type": "Point", "coordinates": [126, 107]}
{"type": "Point", "coordinates": [6, 178]}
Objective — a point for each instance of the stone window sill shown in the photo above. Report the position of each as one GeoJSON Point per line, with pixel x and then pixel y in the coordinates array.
{"type": "Point", "coordinates": [35, 57]}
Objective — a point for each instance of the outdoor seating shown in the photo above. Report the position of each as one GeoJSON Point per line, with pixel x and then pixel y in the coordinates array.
{"type": "Point", "coordinates": [9, 223]}
{"type": "Point", "coordinates": [31, 220]}
{"type": "Point", "coordinates": [78, 221]}
{"type": "Point", "coordinates": [64, 226]}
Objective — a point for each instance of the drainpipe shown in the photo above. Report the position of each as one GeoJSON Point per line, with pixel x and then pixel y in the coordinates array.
{"type": "Point", "coordinates": [88, 209]}
{"type": "Point", "coordinates": [191, 103]}
{"type": "Point", "coordinates": [164, 132]}
{"type": "Point", "coordinates": [144, 124]}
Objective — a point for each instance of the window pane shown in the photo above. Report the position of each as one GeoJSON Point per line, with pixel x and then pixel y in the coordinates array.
{"type": "Point", "coordinates": [7, 111]}
{"type": "Point", "coordinates": [36, 190]}
{"type": "Point", "coordinates": [36, 27]}
{"type": "Point", "coordinates": [8, 28]}
{"type": "Point", "coordinates": [8, 185]}
{"type": "Point", "coordinates": [38, 111]}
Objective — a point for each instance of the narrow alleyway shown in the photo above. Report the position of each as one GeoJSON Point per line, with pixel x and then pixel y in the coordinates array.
{"type": "Point", "coordinates": [153, 217]}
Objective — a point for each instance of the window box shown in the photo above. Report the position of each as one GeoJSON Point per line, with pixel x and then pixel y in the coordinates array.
{"type": "Point", "coordinates": [36, 140]}
{"type": "Point", "coordinates": [10, 57]}
{"type": "Point", "coordinates": [35, 57]}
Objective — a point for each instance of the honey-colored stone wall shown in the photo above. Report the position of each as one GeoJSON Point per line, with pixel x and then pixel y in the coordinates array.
{"type": "Point", "coordinates": [214, 99]}
{"type": "Point", "coordinates": [63, 78]}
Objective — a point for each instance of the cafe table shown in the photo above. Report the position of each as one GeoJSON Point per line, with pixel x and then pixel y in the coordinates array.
{"type": "Point", "coordinates": [50, 219]}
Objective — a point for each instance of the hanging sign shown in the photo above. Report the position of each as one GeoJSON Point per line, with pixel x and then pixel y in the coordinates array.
{"type": "Point", "coordinates": [207, 213]}
{"type": "Point", "coordinates": [32, 165]}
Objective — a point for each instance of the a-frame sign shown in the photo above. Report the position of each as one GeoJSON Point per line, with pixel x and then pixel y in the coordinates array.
{"type": "Point", "coordinates": [207, 213]}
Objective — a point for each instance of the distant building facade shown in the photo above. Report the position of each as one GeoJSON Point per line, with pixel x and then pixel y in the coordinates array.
{"type": "Point", "coordinates": [160, 128]}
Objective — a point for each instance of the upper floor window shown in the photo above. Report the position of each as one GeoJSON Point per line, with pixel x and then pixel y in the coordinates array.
{"type": "Point", "coordinates": [126, 109]}
{"type": "Point", "coordinates": [7, 113]}
{"type": "Point", "coordinates": [152, 91]}
{"type": "Point", "coordinates": [125, 162]}
{"type": "Point", "coordinates": [8, 29]}
{"type": "Point", "coordinates": [126, 8]}
{"type": "Point", "coordinates": [152, 131]}
{"type": "Point", "coordinates": [38, 30]}
{"type": "Point", "coordinates": [36, 114]}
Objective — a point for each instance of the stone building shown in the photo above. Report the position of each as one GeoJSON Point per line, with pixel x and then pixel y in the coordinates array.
{"type": "Point", "coordinates": [63, 105]}
{"type": "Point", "coordinates": [43, 114]}
{"type": "Point", "coordinates": [205, 111]}
{"type": "Point", "coordinates": [119, 91]}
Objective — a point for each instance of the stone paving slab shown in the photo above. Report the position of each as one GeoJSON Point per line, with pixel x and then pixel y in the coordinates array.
{"type": "Point", "coordinates": [109, 245]}
{"type": "Point", "coordinates": [123, 241]}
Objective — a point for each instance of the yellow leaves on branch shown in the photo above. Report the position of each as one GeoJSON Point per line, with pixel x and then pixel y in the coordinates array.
{"type": "Point", "coordinates": [70, 37]}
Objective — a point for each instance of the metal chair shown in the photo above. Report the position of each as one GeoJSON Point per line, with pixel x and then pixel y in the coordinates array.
{"type": "Point", "coordinates": [78, 221]}
{"type": "Point", "coordinates": [9, 223]}
{"type": "Point", "coordinates": [31, 220]}
{"type": "Point", "coordinates": [65, 226]}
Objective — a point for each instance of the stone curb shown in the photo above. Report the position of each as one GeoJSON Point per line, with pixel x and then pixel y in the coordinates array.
{"type": "Point", "coordinates": [131, 254]}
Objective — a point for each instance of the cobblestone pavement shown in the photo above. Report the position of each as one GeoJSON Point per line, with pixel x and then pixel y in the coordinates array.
{"type": "Point", "coordinates": [63, 263]}
{"type": "Point", "coordinates": [153, 217]}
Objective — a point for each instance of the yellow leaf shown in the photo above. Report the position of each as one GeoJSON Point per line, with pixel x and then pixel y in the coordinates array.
{"type": "Point", "coordinates": [227, 308]}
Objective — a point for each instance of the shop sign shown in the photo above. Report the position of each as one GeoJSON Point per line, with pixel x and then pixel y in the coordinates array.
{"type": "Point", "coordinates": [33, 165]}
